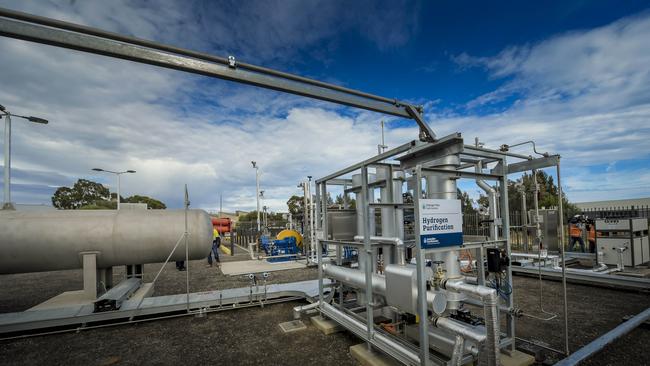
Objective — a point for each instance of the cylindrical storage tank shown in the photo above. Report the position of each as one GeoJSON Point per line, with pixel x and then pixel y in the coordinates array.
{"type": "Point", "coordinates": [223, 225]}
{"type": "Point", "coordinates": [34, 241]}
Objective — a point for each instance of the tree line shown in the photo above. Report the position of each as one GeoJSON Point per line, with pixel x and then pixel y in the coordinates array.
{"type": "Point", "coordinates": [89, 195]}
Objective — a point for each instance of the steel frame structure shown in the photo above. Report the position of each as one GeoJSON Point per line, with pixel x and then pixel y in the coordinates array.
{"type": "Point", "coordinates": [417, 159]}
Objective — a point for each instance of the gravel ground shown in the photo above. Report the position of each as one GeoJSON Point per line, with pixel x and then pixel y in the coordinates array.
{"type": "Point", "coordinates": [252, 336]}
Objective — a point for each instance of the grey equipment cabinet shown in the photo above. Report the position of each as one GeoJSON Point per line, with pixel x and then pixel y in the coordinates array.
{"type": "Point", "coordinates": [628, 235]}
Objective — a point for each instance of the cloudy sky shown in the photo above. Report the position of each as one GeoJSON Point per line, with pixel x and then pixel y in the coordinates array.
{"type": "Point", "coordinates": [573, 76]}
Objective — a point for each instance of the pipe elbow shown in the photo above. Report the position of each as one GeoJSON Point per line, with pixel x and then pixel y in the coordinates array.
{"type": "Point", "coordinates": [459, 285]}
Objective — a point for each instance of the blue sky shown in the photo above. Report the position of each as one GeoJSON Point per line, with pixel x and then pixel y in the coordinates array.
{"type": "Point", "coordinates": [574, 76]}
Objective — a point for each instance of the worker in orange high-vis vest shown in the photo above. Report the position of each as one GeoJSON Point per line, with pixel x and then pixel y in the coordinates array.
{"type": "Point", "coordinates": [591, 235]}
{"type": "Point", "coordinates": [575, 232]}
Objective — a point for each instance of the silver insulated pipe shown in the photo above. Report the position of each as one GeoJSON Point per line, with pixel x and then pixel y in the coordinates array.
{"type": "Point", "coordinates": [442, 186]}
{"type": "Point", "coordinates": [490, 299]}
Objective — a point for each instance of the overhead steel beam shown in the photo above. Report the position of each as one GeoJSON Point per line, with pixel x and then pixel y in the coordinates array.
{"type": "Point", "coordinates": [416, 114]}
{"type": "Point", "coordinates": [339, 182]}
{"type": "Point", "coordinates": [448, 145]}
{"type": "Point", "coordinates": [463, 174]}
{"type": "Point", "coordinates": [126, 51]}
{"type": "Point", "coordinates": [58, 33]}
{"type": "Point", "coordinates": [537, 163]}
{"type": "Point", "coordinates": [388, 154]}
{"type": "Point", "coordinates": [199, 55]}
{"type": "Point", "coordinates": [472, 150]}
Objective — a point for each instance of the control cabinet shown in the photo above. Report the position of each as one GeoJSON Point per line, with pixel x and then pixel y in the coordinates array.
{"type": "Point", "coordinates": [623, 237]}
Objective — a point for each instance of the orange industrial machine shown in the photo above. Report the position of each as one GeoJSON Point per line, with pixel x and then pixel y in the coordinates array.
{"type": "Point", "coordinates": [223, 225]}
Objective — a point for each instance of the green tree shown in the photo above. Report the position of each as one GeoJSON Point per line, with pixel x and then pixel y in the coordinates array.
{"type": "Point", "coordinates": [82, 193]}
{"type": "Point", "coordinates": [296, 205]}
{"type": "Point", "coordinates": [152, 203]}
{"type": "Point", "coordinates": [249, 216]}
{"type": "Point", "coordinates": [100, 205]}
{"type": "Point", "coordinates": [466, 202]}
{"type": "Point", "coordinates": [339, 201]}
{"type": "Point", "coordinates": [547, 194]}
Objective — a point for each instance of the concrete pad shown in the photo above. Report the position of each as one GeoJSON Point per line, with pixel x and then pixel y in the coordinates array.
{"type": "Point", "coordinates": [370, 358]}
{"type": "Point", "coordinates": [292, 326]}
{"type": "Point", "coordinates": [257, 266]}
{"type": "Point", "coordinates": [517, 358]}
{"type": "Point", "coordinates": [325, 325]}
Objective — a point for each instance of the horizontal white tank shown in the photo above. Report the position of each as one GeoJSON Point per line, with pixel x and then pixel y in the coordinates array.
{"type": "Point", "coordinates": [34, 241]}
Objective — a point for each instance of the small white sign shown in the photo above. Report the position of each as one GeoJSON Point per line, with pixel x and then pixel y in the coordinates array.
{"type": "Point", "coordinates": [441, 223]}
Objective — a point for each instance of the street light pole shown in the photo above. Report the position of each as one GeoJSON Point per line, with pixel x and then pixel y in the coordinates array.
{"type": "Point", "coordinates": [7, 152]}
{"type": "Point", "coordinates": [119, 183]}
{"type": "Point", "coordinates": [7, 167]}
{"type": "Point", "coordinates": [118, 191]}
{"type": "Point", "coordinates": [257, 193]}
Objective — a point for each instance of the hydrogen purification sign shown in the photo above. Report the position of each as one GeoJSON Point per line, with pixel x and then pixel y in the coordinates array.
{"type": "Point", "coordinates": [441, 223]}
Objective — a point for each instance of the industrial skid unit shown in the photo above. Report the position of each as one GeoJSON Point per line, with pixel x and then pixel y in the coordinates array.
{"type": "Point", "coordinates": [407, 292]}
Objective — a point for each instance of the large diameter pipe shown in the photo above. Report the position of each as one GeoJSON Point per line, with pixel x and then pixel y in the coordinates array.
{"type": "Point", "coordinates": [35, 241]}
{"type": "Point", "coordinates": [357, 279]}
{"type": "Point", "coordinates": [490, 305]}
{"type": "Point", "coordinates": [443, 341]}
{"type": "Point", "coordinates": [460, 328]}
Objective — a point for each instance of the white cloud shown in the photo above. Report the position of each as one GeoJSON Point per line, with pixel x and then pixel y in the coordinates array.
{"type": "Point", "coordinates": [173, 128]}
{"type": "Point", "coordinates": [583, 94]}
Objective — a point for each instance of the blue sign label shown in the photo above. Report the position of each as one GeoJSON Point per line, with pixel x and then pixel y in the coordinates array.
{"type": "Point", "coordinates": [441, 223]}
{"type": "Point", "coordinates": [441, 240]}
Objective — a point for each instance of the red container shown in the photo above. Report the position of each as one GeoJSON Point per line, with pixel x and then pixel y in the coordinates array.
{"type": "Point", "coordinates": [223, 224]}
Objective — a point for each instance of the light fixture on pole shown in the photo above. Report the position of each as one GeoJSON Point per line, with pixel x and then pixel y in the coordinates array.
{"type": "Point", "coordinates": [312, 218]}
{"type": "Point", "coordinates": [7, 152]}
{"type": "Point", "coordinates": [257, 193]}
{"type": "Point", "coordinates": [118, 174]}
{"type": "Point", "coordinates": [266, 223]}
